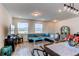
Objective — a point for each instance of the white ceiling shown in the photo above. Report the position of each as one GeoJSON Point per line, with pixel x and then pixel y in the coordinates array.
{"type": "Point", "coordinates": [49, 10]}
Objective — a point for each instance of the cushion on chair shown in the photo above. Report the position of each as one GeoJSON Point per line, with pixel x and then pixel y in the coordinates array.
{"type": "Point", "coordinates": [6, 50]}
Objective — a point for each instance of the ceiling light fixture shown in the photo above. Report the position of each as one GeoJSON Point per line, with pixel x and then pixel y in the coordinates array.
{"type": "Point", "coordinates": [59, 10]}
{"type": "Point", "coordinates": [65, 7]}
{"type": "Point", "coordinates": [71, 8]}
{"type": "Point", "coordinates": [36, 13]}
{"type": "Point", "coordinates": [54, 21]}
{"type": "Point", "coordinates": [42, 19]}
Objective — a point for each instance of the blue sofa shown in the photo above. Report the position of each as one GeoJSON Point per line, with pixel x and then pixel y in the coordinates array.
{"type": "Point", "coordinates": [38, 37]}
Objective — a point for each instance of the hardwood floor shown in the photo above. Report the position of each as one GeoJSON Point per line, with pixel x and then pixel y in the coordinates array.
{"type": "Point", "coordinates": [25, 48]}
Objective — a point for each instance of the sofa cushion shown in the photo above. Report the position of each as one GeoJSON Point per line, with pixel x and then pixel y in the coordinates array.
{"type": "Point", "coordinates": [45, 35]}
{"type": "Point", "coordinates": [32, 35]}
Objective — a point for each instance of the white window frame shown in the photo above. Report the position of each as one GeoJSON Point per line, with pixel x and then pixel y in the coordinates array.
{"type": "Point", "coordinates": [12, 29]}
{"type": "Point", "coordinates": [38, 27]}
{"type": "Point", "coordinates": [22, 30]}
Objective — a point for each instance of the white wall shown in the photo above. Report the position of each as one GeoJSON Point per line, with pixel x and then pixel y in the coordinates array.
{"type": "Point", "coordinates": [4, 22]}
{"type": "Point", "coordinates": [48, 27]}
{"type": "Point", "coordinates": [73, 23]}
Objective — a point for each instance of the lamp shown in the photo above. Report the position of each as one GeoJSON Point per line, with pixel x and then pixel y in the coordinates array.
{"type": "Point", "coordinates": [65, 7]}
{"type": "Point", "coordinates": [36, 13]}
{"type": "Point", "coordinates": [71, 8]}
{"type": "Point", "coordinates": [68, 9]}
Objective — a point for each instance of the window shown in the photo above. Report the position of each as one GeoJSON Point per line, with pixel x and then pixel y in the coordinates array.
{"type": "Point", "coordinates": [22, 28]}
{"type": "Point", "coordinates": [38, 28]}
{"type": "Point", "coordinates": [12, 29]}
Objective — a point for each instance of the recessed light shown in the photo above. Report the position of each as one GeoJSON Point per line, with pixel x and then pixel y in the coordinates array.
{"type": "Point", "coordinates": [55, 21]}
{"type": "Point", "coordinates": [59, 10]}
{"type": "Point", "coordinates": [36, 13]}
{"type": "Point", "coordinates": [43, 19]}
